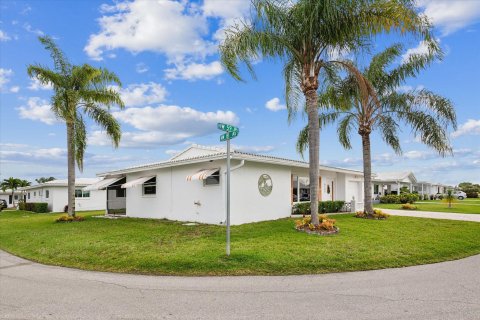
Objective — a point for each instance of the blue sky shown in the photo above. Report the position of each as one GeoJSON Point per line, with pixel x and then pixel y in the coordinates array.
{"type": "Point", "coordinates": [175, 90]}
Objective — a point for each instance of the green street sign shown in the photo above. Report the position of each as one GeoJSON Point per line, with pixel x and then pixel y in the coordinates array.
{"type": "Point", "coordinates": [228, 135]}
{"type": "Point", "coordinates": [226, 127]}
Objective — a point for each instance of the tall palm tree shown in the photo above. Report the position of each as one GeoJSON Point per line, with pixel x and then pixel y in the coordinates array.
{"type": "Point", "coordinates": [80, 91]}
{"type": "Point", "coordinates": [303, 35]}
{"type": "Point", "coordinates": [428, 114]}
{"type": "Point", "coordinates": [12, 184]}
{"type": "Point", "coordinates": [23, 184]}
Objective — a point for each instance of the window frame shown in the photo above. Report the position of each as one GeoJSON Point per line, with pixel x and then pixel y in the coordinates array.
{"type": "Point", "coordinates": [150, 183]}
{"type": "Point", "coordinates": [212, 177]}
{"type": "Point", "coordinates": [47, 194]}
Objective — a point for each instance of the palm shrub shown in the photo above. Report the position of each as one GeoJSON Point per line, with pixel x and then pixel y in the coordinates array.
{"type": "Point", "coordinates": [385, 109]}
{"type": "Point", "coordinates": [449, 198]}
{"type": "Point", "coordinates": [303, 35]}
{"type": "Point", "coordinates": [80, 91]}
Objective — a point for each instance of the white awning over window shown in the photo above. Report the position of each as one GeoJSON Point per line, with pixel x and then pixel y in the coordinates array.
{"type": "Point", "coordinates": [136, 182]}
{"type": "Point", "coordinates": [102, 184]}
{"type": "Point", "coordinates": [202, 174]}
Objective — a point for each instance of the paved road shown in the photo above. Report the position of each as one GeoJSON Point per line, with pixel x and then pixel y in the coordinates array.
{"type": "Point", "coordinates": [435, 215]}
{"type": "Point", "coordinates": [449, 290]}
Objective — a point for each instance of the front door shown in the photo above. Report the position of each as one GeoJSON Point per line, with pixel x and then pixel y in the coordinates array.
{"type": "Point", "coordinates": [327, 189]}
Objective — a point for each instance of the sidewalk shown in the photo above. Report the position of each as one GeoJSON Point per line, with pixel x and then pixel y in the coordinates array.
{"type": "Point", "coordinates": [434, 215]}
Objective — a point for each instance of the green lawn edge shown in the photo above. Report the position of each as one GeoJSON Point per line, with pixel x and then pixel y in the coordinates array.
{"type": "Point", "coordinates": [158, 247]}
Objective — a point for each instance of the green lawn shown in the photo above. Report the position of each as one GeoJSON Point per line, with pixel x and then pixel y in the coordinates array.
{"type": "Point", "coordinates": [274, 247]}
{"type": "Point", "coordinates": [460, 206]}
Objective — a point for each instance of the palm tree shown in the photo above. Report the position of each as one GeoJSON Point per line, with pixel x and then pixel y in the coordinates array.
{"type": "Point", "coordinates": [44, 179]}
{"type": "Point", "coordinates": [428, 114]}
{"type": "Point", "coordinates": [80, 91]}
{"type": "Point", "coordinates": [12, 184]}
{"type": "Point", "coordinates": [23, 184]}
{"type": "Point", "coordinates": [449, 198]}
{"type": "Point", "coordinates": [304, 35]}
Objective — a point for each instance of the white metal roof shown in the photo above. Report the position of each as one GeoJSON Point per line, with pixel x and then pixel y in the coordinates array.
{"type": "Point", "coordinates": [395, 176]}
{"type": "Point", "coordinates": [79, 182]}
{"type": "Point", "coordinates": [196, 154]}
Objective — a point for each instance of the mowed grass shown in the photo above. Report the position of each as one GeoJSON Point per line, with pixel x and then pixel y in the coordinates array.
{"type": "Point", "coordinates": [266, 248]}
{"type": "Point", "coordinates": [459, 206]}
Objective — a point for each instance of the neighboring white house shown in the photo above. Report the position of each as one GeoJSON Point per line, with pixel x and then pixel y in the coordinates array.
{"type": "Point", "coordinates": [55, 194]}
{"type": "Point", "coordinates": [391, 182]}
{"type": "Point", "coordinates": [7, 196]}
{"type": "Point", "coordinates": [191, 187]}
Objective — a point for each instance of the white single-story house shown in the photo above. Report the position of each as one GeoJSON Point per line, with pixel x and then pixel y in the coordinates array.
{"type": "Point", "coordinates": [391, 182]}
{"type": "Point", "coordinates": [55, 193]}
{"type": "Point", "coordinates": [7, 196]}
{"type": "Point", "coordinates": [191, 187]}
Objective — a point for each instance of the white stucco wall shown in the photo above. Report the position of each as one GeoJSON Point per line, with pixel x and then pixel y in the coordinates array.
{"type": "Point", "coordinates": [248, 205]}
{"type": "Point", "coordinates": [175, 198]}
{"type": "Point", "coordinates": [58, 198]}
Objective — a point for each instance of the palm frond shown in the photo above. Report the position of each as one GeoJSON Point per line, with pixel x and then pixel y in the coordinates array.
{"type": "Point", "coordinates": [105, 120]}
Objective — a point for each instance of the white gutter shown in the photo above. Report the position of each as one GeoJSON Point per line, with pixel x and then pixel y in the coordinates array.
{"type": "Point", "coordinates": [241, 164]}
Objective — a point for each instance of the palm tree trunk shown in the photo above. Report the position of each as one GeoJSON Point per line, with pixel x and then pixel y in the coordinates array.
{"type": "Point", "coordinates": [71, 169]}
{"type": "Point", "coordinates": [313, 151]}
{"type": "Point", "coordinates": [367, 174]}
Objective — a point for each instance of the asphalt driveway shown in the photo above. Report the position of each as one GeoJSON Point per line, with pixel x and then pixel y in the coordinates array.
{"type": "Point", "coordinates": [449, 290]}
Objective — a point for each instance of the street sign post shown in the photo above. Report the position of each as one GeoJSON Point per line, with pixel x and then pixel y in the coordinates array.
{"type": "Point", "coordinates": [231, 132]}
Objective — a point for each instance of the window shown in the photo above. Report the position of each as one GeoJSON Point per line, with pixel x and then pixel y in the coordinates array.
{"type": "Point", "coordinates": [214, 179]}
{"type": "Point", "coordinates": [120, 193]}
{"type": "Point", "coordinates": [375, 188]}
{"type": "Point", "coordinates": [16, 197]}
{"type": "Point", "coordinates": [29, 195]}
{"type": "Point", "coordinates": [150, 187]}
{"type": "Point", "coordinates": [47, 194]}
{"type": "Point", "coordinates": [40, 193]}
{"type": "Point", "coordinates": [35, 194]}
{"type": "Point", "coordinates": [79, 193]}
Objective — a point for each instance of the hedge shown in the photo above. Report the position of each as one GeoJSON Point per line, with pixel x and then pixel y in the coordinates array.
{"type": "Point", "coordinates": [38, 207]}
{"type": "Point", "coordinates": [323, 207]}
{"type": "Point", "coordinates": [402, 198]}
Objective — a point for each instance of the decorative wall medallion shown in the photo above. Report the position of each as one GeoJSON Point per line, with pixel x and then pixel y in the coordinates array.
{"type": "Point", "coordinates": [265, 185]}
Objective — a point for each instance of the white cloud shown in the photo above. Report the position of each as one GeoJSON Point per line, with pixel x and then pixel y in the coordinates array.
{"type": "Point", "coordinates": [471, 127]}
{"type": "Point", "coordinates": [275, 105]}
{"type": "Point", "coordinates": [15, 89]}
{"type": "Point", "coordinates": [30, 29]}
{"type": "Point", "coordinates": [172, 152]}
{"type": "Point", "coordinates": [5, 75]}
{"type": "Point", "coordinates": [422, 48]}
{"type": "Point", "coordinates": [450, 15]}
{"type": "Point", "coordinates": [407, 88]}
{"type": "Point", "coordinates": [194, 71]}
{"type": "Point", "coordinates": [47, 154]}
{"type": "Point", "coordinates": [174, 28]}
{"type": "Point", "coordinates": [164, 125]}
{"type": "Point", "coordinates": [141, 67]}
{"type": "Point", "coordinates": [38, 110]}
{"type": "Point", "coordinates": [227, 10]}
{"type": "Point", "coordinates": [140, 94]}
{"type": "Point", "coordinates": [36, 85]}
{"type": "Point", "coordinates": [4, 36]}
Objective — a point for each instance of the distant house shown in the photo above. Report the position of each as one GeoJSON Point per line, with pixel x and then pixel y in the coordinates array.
{"type": "Point", "coordinates": [391, 182]}
{"type": "Point", "coordinates": [191, 187]}
{"type": "Point", "coordinates": [55, 194]}
{"type": "Point", "coordinates": [7, 196]}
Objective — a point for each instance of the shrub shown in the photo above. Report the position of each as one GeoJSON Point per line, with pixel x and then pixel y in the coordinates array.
{"type": "Point", "coordinates": [402, 198]}
{"type": "Point", "coordinates": [38, 207]}
{"type": "Point", "coordinates": [377, 214]}
{"type": "Point", "coordinates": [303, 208]}
{"type": "Point", "coordinates": [471, 194]}
{"type": "Point", "coordinates": [408, 198]}
{"type": "Point", "coordinates": [391, 198]}
{"type": "Point", "coordinates": [325, 224]}
{"type": "Point", "coordinates": [330, 206]}
{"type": "Point", "coordinates": [409, 206]}
{"type": "Point", "coordinates": [67, 218]}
